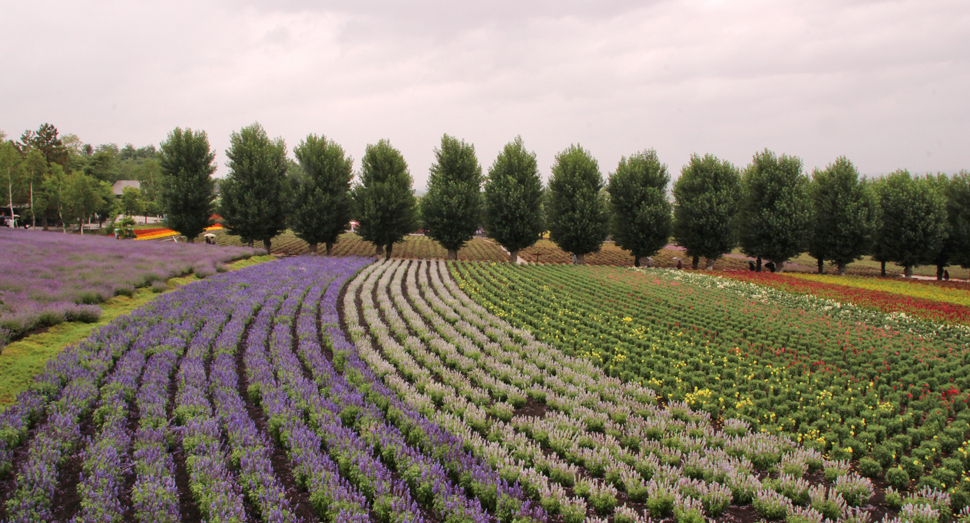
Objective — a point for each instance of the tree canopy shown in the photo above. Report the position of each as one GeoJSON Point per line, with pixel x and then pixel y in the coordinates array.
{"type": "Point", "coordinates": [576, 210]}
{"type": "Point", "coordinates": [707, 200]}
{"type": "Point", "coordinates": [384, 200]}
{"type": "Point", "coordinates": [775, 209]}
{"type": "Point", "coordinates": [255, 193]}
{"type": "Point", "coordinates": [513, 199]}
{"type": "Point", "coordinates": [640, 219]}
{"type": "Point", "coordinates": [186, 186]}
{"type": "Point", "coordinates": [843, 217]}
{"type": "Point", "coordinates": [452, 208]}
{"type": "Point", "coordinates": [913, 220]}
{"type": "Point", "coordinates": [321, 203]}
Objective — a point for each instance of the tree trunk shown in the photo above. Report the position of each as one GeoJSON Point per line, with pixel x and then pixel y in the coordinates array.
{"type": "Point", "coordinates": [329, 248]}
{"type": "Point", "coordinates": [908, 271]}
{"type": "Point", "coordinates": [387, 251]}
{"type": "Point", "coordinates": [709, 265]}
{"type": "Point", "coordinates": [378, 250]}
{"type": "Point", "coordinates": [780, 266]}
{"type": "Point", "coordinates": [80, 225]}
{"type": "Point", "coordinates": [266, 245]}
{"type": "Point", "coordinates": [841, 269]}
{"type": "Point", "coordinates": [758, 265]}
{"type": "Point", "coordinates": [694, 262]}
{"type": "Point", "coordinates": [821, 266]}
{"type": "Point", "coordinates": [939, 272]}
{"type": "Point", "coordinates": [882, 271]}
{"type": "Point", "coordinates": [44, 220]}
{"type": "Point", "coordinates": [580, 259]}
{"type": "Point", "coordinates": [514, 256]}
{"type": "Point", "coordinates": [33, 215]}
{"type": "Point", "coordinates": [636, 260]}
{"type": "Point", "coordinates": [189, 240]}
{"type": "Point", "coordinates": [313, 249]}
{"type": "Point", "coordinates": [452, 254]}
{"type": "Point", "coordinates": [60, 214]}
{"type": "Point", "coordinates": [10, 195]}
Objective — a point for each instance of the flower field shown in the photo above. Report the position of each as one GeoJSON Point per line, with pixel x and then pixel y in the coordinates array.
{"type": "Point", "coordinates": [337, 389]}
{"type": "Point", "coordinates": [957, 293]}
{"type": "Point", "coordinates": [931, 302]}
{"type": "Point", "coordinates": [47, 278]}
{"type": "Point", "coordinates": [846, 381]}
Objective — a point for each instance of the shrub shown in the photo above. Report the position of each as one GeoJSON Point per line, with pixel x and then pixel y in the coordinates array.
{"type": "Point", "coordinates": [898, 478]}
{"type": "Point", "coordinates": [855, 490]}
{"type": "Point", "coordinates": [573, 510]}
{"type": "Point", "coordinates": [660, 499]}
{"type": "Point", "coordinates": [771, 505]}
{"type": "Point", "coordinates": [688, 510]}
{"type": "Point", "coordinates": [869, 467]}
{"type": "Point", "coordinates": [159, 286]}
{"type": "Point", "coordinates": [894, 499]}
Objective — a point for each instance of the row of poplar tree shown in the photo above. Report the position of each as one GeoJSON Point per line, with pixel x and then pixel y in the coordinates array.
{"type": "Point", "coordinates": [772, 209]}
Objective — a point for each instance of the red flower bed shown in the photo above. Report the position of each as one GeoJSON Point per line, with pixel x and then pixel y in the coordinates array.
{"type": "Point", "coordinates": [879, 300]}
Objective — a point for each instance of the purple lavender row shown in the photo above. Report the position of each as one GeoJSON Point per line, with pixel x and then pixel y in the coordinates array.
{"type": "Point", "coordinates": [389, 499]}
{"type": "Point", "coordinates": [213, 485]}
{"type": "Point", "coordinates": [249, 448]}
{"type": "Point", "coordinates": [426, 476]}
{"type": "Point", "coordinates": [496, 494]}
{"type": "Point", "coordinates": [97, 353]}
{"type": "Point", "coordinates": [331, 495]}
{"type": "Point", "coordinates": [155, 495]}
{"type": "Point", "coordinates": [74, 377]}
{"type": "Point", "coordinates": [106, 456]}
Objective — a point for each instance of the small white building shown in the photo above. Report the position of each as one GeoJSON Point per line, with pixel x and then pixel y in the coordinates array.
{"type": "Point", "coordinates": [119, 187]}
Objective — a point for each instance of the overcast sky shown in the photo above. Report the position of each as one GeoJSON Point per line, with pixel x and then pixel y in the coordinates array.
{"type": "Point", "coordinates": [885, 83]}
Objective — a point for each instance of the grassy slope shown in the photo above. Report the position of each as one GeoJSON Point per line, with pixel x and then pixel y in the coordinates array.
{"type": "Point", "coordinates": [22, 360]}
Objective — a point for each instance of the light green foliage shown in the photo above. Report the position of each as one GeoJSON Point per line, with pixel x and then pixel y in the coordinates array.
{"type": "Point", "coordinates": [913, 221]}
{"type": "Point", "coordinates": [576, 212]}
{"type": "Point", "coordinates": [513, 199]}
{"type": "Point", "coordinates": [185, 186]}
{"type": "Point", "coordinates": [708, 198]}
{"type": "Point", "coordinates": [844, 214]}
{"type": "Point", "coordinates": [322, 203]}
{"type": "Point", "coordinates": [775, 210]}
{"type": "Point", "coordinates": [640, 220]}
{"type": "Point", "coordinates": [10, 176]}
{"type": "Point", "coordinates": [131, 204]}
{"type": "Point", "coordinates": [255, 194]}
{"type": "Point", "coordinates": [451, 210]}
{"type": "Point", "coordinates": [81, 196]}
{"type": "Point", "coordinates": [384, 199]}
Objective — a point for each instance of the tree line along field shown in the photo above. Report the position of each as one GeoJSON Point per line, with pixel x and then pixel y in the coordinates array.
{"type": "Point", "coordinates": [338, 389]}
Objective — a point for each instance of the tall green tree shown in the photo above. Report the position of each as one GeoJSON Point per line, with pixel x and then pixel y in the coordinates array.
{"type": "Point", "coordinates": [513, 199]}
{"type": "Point", "coordinates": [34, 170]}
{"type": "Point", "coordinates": [10, 172]}
{"type": "Point", "coordinates": [50, 197]}
{"type": "Point", "coordinates": [707, 201]}
{"type": "Point", "coordinates": [452, 208]}
{"type": "Point", "coordinates": [322, 203]}
{"type": "Point", "coordinates": [843, 217]}
{"type": "Point", "coordinates": [640, 220]}
{"type": "Point", "coordinates": [956, 243]}
{"type": "Point", "coordinates": [131, 204]}
{"type": "Point", "coordinates": [913, 221]}
{"type": "Point", "coordinates": [576, 210]}
{"type": "Point", "coordinates": [185, 186]}
{"type": "Point", "coordinates": [958, 214]}
{"type": "Point", "coordinates": [775, 209]}
{"type": "Point", "coordinates": [255, 194]}
{"type": "Point", "coordinates": [81, 195]}
{"type": "Point", "coordinates": [45, 140]}
{"type": "Point", "coordinates": [384, 200]}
